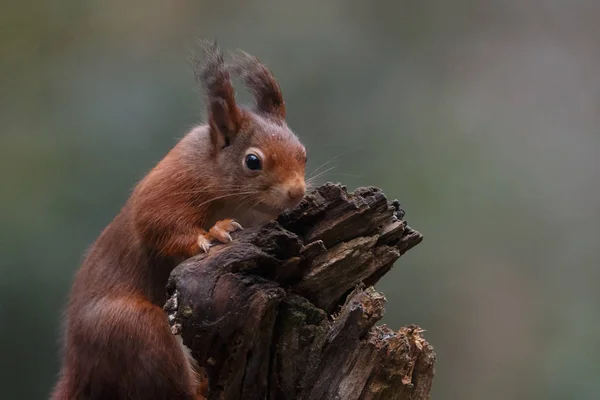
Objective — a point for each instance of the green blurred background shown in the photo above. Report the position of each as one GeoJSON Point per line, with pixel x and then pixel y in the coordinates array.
{"type": "Point", "coordinates": [481, 117]}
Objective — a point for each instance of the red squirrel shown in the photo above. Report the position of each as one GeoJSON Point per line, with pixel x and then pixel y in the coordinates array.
{"type": "Point", "coordinates": [242, 168]}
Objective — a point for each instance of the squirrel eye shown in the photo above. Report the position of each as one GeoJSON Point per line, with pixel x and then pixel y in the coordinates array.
{"type": "Point", "coordinates": [253, 162]}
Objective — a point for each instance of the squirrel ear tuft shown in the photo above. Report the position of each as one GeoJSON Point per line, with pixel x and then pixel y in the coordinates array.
{"type": "Point", "coordinates": [262, 84]}
{"type": "Point", "coordinates": [212, 75]}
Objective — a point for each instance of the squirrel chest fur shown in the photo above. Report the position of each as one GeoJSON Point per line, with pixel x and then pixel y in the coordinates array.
{"type": "Point", "coordinates": [244, 167]}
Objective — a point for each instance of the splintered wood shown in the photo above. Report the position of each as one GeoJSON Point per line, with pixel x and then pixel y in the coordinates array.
{"type": "Point", "coordinates": [288, 311]}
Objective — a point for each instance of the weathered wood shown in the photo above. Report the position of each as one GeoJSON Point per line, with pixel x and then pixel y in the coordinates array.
{"type": "Point", "coordinates": [288, 311]}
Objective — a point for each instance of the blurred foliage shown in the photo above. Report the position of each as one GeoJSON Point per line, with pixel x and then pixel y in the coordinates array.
{"type": "Point", "coordinates": [481, 117]}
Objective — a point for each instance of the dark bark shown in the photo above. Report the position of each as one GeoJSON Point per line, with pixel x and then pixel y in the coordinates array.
{"type": "Point", "coordinates": [288, 311]}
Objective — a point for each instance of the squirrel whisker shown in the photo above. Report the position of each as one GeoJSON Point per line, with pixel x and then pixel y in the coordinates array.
{"type": "Point", "coordinates": [320, 174]}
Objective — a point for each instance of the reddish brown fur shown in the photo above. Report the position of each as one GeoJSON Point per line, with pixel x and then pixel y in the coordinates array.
{"type": "Point", "coordinates": [263, 84]}
{"type": "Point", "coordinates": [118, 344]}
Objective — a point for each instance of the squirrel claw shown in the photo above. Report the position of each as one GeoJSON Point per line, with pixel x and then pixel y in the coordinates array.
{"type": "Point", "coordinates": [222, 229]}
{"type": "Point", "coordinates": [204, 243]}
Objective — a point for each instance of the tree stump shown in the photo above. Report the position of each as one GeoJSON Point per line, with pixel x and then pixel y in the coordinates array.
{"type": "Point", "coordinates": [288, 311]}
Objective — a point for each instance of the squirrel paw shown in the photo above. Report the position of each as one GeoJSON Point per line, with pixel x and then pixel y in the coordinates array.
{"type": "Point", "coordinates": [204, 242]}
{"type": "Point", "coordinates": [222, 229]}
{"type": "Point", "coordinates": [219, 232]}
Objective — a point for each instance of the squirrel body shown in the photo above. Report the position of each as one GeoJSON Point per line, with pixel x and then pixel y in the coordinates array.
{"type": "Point", "coordinates": [244, 167]}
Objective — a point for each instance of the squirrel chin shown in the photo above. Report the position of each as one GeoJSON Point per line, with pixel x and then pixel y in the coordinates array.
{"type": "Point", "coordinates": [275, 209]}
{"type": "Point", "coordinates": [269, 210]}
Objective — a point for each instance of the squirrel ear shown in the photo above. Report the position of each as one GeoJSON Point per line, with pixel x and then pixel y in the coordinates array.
{"type": "Point", "coordinates": [211, 74]}
{"type": "Point", "coordinates": [261, 83]}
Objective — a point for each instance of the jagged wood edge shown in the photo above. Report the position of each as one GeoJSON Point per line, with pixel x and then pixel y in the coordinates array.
{"type": "Point", "coordinates": [269, 268]}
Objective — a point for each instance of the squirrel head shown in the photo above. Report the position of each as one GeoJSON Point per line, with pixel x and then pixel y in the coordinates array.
{"type": "Point", "coordinates": [256, 154]}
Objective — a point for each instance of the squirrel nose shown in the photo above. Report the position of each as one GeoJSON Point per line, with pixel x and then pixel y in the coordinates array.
{"type": "Point", "coordinates": [296, 192]}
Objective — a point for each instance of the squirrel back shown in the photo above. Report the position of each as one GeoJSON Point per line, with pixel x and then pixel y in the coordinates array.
{"type": "Point", "coordinates": [244, 167]}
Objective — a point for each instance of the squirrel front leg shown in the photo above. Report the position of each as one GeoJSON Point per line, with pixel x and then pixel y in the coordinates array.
{"type": "Point", "coordinates": [198, 240]}
{"type": "Point", "coordinates": [178, 233]}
